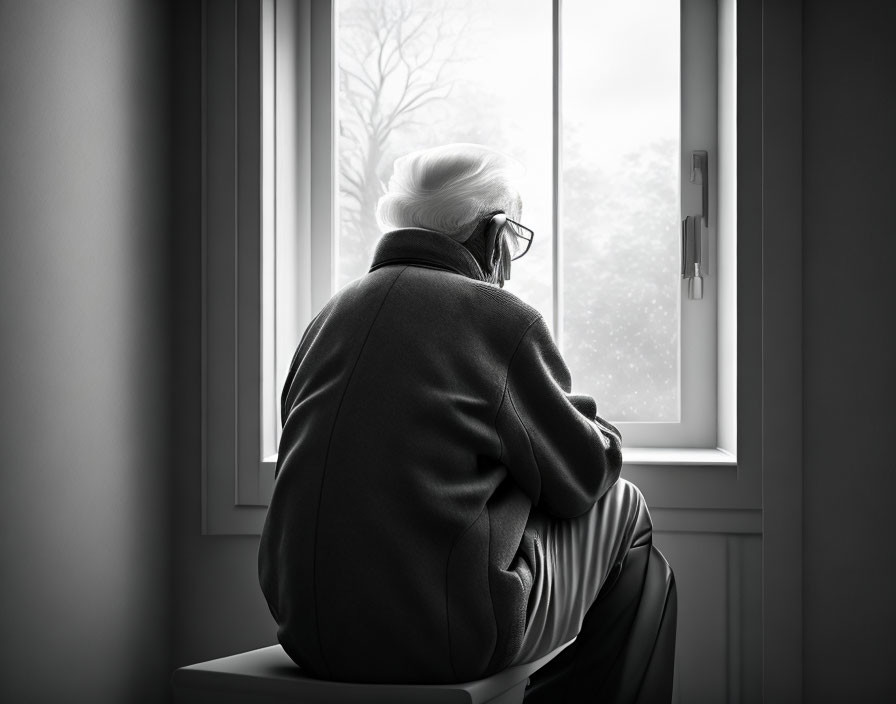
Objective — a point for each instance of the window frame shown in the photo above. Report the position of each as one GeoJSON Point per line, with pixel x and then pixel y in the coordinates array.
{"type": "Point", "coordinates": [703, 409]}
{"type": "Point", "coordinates": [239, 480]}
{"type": "Point", "coordinates": [240, 345]}
{"type": "Point", "coordinates": [233, 488]}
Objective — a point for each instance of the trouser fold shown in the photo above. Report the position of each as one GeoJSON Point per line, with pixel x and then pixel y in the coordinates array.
{"type": "Point", "coordinates": [625, 649]}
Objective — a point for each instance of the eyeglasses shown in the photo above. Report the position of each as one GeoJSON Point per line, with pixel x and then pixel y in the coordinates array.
{"type": "Point", "coordinates": [518, 238]}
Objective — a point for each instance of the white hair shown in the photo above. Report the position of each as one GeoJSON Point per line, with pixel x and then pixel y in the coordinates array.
{"type": "Point", "coordinates": [449, 189]}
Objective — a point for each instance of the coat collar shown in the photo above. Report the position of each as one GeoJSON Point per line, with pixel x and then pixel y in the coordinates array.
{"type": "Point", "coordinates": [415, 246]}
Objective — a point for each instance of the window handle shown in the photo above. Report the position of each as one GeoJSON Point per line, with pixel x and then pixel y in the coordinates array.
{"type": "Point", "coordinates": [692, 260]}
{"type": "Point", "coordinates": [700, 176]}
{"type": "Point", "coordinates": [693, 245]}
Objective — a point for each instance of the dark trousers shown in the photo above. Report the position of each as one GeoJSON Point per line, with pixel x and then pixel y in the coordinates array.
{"type": "Point", "coordinates": [602, 582]}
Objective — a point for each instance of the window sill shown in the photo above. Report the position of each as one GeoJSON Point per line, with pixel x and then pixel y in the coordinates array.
{"type": "Point", "coordinates": [670, 456]}
{"type": "Point", "coordinates": [674, 456]}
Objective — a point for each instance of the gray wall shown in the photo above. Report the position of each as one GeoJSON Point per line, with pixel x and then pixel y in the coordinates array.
{"type": "Point", "coordinates": [84, 613]}
{"type": "Point", "coordinates": [849, 231]}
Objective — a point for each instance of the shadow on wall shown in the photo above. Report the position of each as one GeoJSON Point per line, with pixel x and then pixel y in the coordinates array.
{"type": "Point", "coordinates": [83, 308]}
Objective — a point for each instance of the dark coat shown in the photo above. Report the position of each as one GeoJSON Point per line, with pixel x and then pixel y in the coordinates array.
{"type": "Point", "coordinates": [425, 413]}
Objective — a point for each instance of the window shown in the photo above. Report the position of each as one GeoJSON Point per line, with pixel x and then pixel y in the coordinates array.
{"type": "Point", "coordinates": [602, 106]}
{"type": "Point", "coordinates": [283, 222]}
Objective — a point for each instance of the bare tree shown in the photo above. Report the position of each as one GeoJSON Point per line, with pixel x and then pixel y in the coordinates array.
{"type": "Point", "coordinates": [394, 60]}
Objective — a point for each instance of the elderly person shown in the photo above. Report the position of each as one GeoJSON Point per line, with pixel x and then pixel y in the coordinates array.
{"type": "Point", "coordinates": [445, 506]}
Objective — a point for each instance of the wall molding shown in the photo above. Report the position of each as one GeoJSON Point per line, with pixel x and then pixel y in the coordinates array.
{"type": "Point", "coordinates": [232, 465]}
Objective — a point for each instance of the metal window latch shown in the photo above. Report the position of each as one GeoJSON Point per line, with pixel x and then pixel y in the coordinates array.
{"type": "Point", "coordinates": [694, 249]}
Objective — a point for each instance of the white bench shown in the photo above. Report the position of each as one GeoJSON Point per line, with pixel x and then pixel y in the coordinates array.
{"type": "Point", "coordinates": [269, 676]}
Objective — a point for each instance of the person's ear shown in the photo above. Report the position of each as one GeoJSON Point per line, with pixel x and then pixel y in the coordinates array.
{"type": "Point", "coordinates": [492, 248]}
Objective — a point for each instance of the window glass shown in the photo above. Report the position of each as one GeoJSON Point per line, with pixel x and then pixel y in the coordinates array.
{"type": "Point", "coordinates": [415, 74]}
{"type": "Point", "coordinates": [620, 204]}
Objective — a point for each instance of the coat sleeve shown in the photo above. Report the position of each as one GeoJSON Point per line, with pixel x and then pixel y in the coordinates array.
{"type": "Point", "coordinates": [553, 443]}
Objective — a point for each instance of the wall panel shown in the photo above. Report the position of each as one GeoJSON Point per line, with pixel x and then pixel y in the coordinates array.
{"type": "Point", "coordinates": [718, 648]}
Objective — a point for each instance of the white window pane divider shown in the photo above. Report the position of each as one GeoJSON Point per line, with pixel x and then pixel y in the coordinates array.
{"type": "Point", "coordinates": [557, 164]}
